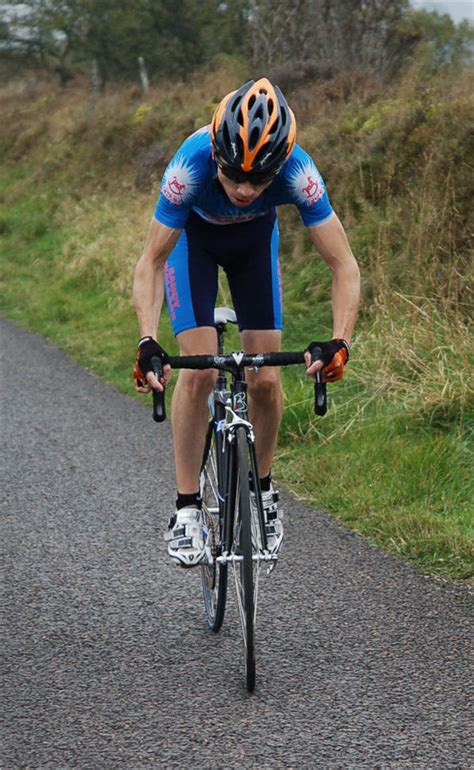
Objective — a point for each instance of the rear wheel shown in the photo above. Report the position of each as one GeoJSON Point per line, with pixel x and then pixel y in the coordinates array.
{"type": "Point", "coordinates": [245, 578]}
{"type": "Point", "coordinates": [213, 574]}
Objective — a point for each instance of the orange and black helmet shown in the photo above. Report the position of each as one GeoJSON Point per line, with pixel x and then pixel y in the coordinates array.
{"type": "Point", "coordinates": [253, 130]}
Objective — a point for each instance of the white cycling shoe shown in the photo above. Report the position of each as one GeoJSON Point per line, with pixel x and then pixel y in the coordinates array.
{"type": "Point", "coordinates": [186, 537]}
{"type": "Point", "coordinates": [273, 519]}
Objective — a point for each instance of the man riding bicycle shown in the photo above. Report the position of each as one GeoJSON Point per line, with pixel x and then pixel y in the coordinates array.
{"type": "Point", "coordinates": [217, 207]}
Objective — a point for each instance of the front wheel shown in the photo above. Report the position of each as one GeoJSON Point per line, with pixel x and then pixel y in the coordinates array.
{"type": "Point", "coordinates": [213, 574]}
{"type": "Point", "coordinates": [244, 570]}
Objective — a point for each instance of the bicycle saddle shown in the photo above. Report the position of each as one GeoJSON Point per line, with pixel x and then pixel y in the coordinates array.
{"type": "Point", "coordinates": [223, 315]}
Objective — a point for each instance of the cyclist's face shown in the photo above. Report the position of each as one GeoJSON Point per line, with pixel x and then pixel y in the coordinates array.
{"type": "Point", "coordinates": [241, 194]}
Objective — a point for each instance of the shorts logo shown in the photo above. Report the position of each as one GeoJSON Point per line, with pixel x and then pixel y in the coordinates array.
{"type": "Point", "coordinates": [307, 184]}
{"type": "Point", "coordinates": [171, 291]}
{"type": "Point", "coordinates": [179, 181]}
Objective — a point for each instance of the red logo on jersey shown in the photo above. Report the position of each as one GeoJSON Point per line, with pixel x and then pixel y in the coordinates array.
{"type": "Point", "coordinates": [312, 189]}
{"type": "Point", "coordinates": [175, 187]}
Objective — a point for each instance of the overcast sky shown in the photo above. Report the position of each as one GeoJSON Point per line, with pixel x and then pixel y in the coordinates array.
{"type": "Point", "coordinates": [458, 9]}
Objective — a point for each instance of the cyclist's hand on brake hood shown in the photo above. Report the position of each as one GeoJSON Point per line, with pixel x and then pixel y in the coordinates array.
{"type": "Point", "coordinates": [144, 378]}
{"type": "Point", "coordinates": [334, 356]}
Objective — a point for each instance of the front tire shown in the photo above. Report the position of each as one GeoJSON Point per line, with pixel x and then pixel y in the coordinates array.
{"type": "Point", "coordinates": [213, 574]}
{"type": "Point", "coordinates": [245, 586]}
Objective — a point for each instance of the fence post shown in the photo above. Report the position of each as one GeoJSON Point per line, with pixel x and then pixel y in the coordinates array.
{"type": "Point", "coordinates": [143, 76]}
{"type": "Point", "coordinates": [95, 78]}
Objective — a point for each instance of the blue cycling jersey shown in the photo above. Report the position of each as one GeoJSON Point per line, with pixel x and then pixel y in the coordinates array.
{"type": "Point", "coordinates": [190, 182]}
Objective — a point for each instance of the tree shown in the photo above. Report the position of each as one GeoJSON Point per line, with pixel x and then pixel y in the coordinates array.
{"type": "Point", "coordinates": [442, 42]}
{"type": "Point", "coordinates": [174, 38]}
{"type": "Point", "coordinates": [339, 34]}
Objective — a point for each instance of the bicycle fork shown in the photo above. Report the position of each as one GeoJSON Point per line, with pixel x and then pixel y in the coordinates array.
{"type": "Point", "coordinates": [233, 424]}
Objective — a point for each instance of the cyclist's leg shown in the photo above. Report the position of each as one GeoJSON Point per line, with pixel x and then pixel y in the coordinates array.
{"type": "Point", "coordinates": [255, 284]}
{"type": "Point", "coordinates": [265, 396]}
{"type": "Point", "coordinates": [191, 288]}
{"type": "Point", "coordinates": [189, 412]}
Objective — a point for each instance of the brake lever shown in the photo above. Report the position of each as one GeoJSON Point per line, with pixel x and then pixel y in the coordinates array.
{"type": "Point", "coordinates": [320, 392]}
{"type": "Point", "coordinates": [159, 406]}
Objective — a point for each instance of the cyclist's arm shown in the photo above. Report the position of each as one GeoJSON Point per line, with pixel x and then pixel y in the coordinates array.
{"type": "Point", "coordinates": [331, 242]}
{"type": "Point", "coordinates": [148, 282]}
{"type": "Point", "coordinates": [148, 285]}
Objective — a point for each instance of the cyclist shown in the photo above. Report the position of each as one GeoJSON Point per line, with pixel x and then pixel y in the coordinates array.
{"type": "Point", "coordinates": [217, 207]}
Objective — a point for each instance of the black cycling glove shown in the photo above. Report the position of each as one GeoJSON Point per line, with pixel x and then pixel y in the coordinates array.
{"type": "Point", "coordinates": [148, 348]}
{"type": "Point", "coordinates": [334, 355]}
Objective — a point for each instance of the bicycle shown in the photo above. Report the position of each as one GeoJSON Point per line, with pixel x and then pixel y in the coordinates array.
{"type": "Point", "coordinates": [230, 484]}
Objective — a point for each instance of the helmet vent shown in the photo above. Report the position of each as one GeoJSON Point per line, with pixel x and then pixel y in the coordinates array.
{"type": "Point", "coordinates": [254, 137]}
{"type": "Point", "coordinates": [225, 131]}
{"type": "Point", "coordinates": [280, 149]}
{"type": "Point", "coordinates": [235, 104]}
{"type": "Point", "coordinates": [271, 106]}
{"type": "Point", "coordinates": [274, 127]}
{"type": "Point", "coordinates": [240, 146]}
{"type": "Point", "coordinates": [261, 153]}
{"type": "Point", "coordinates": [252, 101]}
{"type": "Point", "coordinates": [240, 118]}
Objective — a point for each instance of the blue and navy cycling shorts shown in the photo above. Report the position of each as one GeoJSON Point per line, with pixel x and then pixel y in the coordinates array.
{"type": "Point", "coordinates": [247, 251]}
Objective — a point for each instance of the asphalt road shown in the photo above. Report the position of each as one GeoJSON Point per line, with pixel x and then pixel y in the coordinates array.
{"type": "Point", "coordinates": [107, 662]}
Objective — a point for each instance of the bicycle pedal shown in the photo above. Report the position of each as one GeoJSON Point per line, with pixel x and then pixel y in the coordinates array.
{"type": "Point", "coordinates": [272, 567]}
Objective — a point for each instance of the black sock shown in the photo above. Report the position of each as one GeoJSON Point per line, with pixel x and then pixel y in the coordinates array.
{"type": "Point", "coordinates": [266, 483]}
{"type": "Point", "coordinates": [193, 500]}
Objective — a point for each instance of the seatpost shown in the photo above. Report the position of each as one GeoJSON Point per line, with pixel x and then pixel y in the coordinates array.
{"type": "Point", "coordinates": [220, 328]}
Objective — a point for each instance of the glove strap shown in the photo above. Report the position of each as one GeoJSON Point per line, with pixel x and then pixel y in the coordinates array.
{"type": "Point", "coordinates": [347, 347]}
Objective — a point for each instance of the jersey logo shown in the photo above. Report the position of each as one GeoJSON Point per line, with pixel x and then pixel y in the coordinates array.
{"type": "Point", "coordinates": [179, 181]}
{"type": "Point", "coordinates": [175, 187]}
{"type": "Point", "coordinates": [307, 184]}
{"type": "Point", "coordinates": [312, 188]}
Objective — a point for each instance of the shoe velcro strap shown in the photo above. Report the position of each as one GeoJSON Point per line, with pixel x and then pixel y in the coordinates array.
{"type": "Point", "coordinates": [270, 529]}
{"type": "Point", "coordinates": [186, 542]}
{"type": "Point", "coordinates": [271, 513]}
{"type": "Point", "coordinates": [179, 531]}
{"type": "Point", "coordinates": [173, 534]}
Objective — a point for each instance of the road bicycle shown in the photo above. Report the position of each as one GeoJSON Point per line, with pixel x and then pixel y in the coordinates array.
{"type": "Point", "coordinates": [230, 484]}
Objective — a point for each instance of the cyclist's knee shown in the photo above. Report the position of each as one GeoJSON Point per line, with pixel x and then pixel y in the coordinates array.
{"type": "Point", "coordinates": [197, 383]}
{"type": "Point", "coordinates": [265, 385]}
